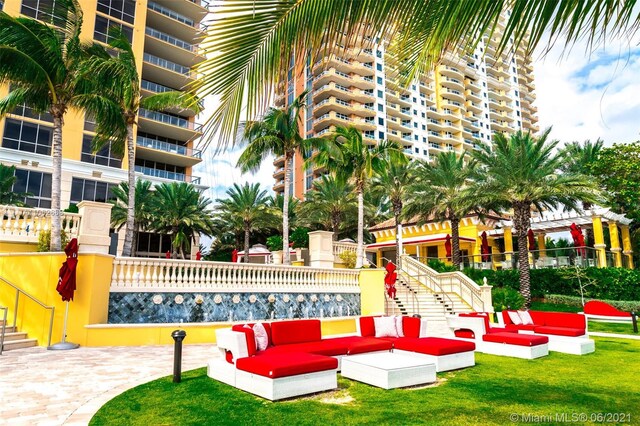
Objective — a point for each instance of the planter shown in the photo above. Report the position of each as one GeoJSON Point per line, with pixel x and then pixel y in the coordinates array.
{"type": "Point", "coordinates": [277, 257]}
{"type": "Point", "coordinates": [297, 263]}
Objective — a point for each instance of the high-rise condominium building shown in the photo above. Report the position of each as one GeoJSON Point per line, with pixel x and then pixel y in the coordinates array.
{"type": "Point", "coordinates": [466, 98]}
{"type": "Point", "coordinates": [165, 36]}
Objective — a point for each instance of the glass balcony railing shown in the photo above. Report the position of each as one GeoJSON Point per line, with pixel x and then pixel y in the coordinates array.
{"type": "Point", "coordinates": [155, 87]}
{"type": "Point", "coordinates": [170, 13]}
{"type": "Point", "coordinates": [170, 39]}
{"type": "Point", "coordinates": [168, 147]}
{"type": "Point", "coordinates": [164, 174]}
{"type": "Point", "coordinates": [169, 119]}
{"type": "Point", "coordinates": [172, 66]}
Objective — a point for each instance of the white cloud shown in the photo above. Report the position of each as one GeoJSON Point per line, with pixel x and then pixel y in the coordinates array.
{"type": "Point", "coordinates": [590, 96]}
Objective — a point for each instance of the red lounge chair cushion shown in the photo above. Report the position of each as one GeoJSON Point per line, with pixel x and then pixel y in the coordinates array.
{"type": "Point", "coordinates": [515, 339]}
{"type": "Point", "coordinates": [436, 346]}
{"type": "Point", "coordinates": [284, 365]}
{"type": "Point", "coordinates": [368, 344]}
{"type": "Point", "coordinates": [559, 319]}
{"type": "Point", "coordinates": [327, 347]}
{"type": "Point", "coordinates": [464, 333]}
{"type": "Point", "coordinates": [411, 326]}
{"type": "Point", "coordinates": [249, 337]}
{"type": "Point", "coordinates": [560, 331]}
{"type": "Point", "coordinates": [595, 307]}
{"type": "Point", "coordinates": [497, 330]}
{"type": "Point", "coordinates": [515, 328]}
{"type": "Point", "coordinates": [367, 326]}
{"type": "Point", "coordinates": [295, 331]}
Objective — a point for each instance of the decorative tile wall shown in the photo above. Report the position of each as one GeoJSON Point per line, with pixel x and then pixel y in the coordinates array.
{"type": "Point", "coordinates": [134, 308]}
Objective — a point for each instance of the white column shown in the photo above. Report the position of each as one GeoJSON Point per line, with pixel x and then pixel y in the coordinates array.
{"type": "Point", "coordinates": [93, 236]}
{"type": "Point", "coordinates": [321, 249]}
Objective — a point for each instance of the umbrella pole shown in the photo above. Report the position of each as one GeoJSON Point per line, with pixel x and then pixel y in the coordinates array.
{"type": "Point", "coordinates": [64, 345]}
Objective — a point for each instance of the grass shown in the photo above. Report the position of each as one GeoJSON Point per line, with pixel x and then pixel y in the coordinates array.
{"type": "Point", "coordinates": [487, 394]}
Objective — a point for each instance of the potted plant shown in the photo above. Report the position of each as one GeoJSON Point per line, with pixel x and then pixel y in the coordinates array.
{"type": "Point", "coordinates": [300, 240]}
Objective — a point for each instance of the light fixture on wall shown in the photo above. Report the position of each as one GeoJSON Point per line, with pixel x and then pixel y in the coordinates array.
{"type": "Point", "coordinates": [35, 163]}
{"type": "Point", "coordinates": [96, 174]}
{"type": "Point", "coordinates": [24, 162]}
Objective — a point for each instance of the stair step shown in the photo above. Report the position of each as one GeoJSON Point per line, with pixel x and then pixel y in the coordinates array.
{"type": "Point", "coordinates": [8, 329]}
{"type": "Point", "coordinates": [19, 344]}
{"type": "Point", "coordinates": [14, 336]}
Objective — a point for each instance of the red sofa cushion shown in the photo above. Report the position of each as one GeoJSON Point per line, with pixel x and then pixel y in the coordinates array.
{"type": "Point", "coordinates": [284, 365]}
{"type": "Point", "coordinates": [560, 331]}
{"type": "Point", "coordinates": [595, 307]}
{"type": "Point", "coordinates": [296, 331]}
{"type": "Point", "coordinates": [562, 319]}
{"type": "Point", "coordinates": [433, 345]}
{"type": "Point", "coordinates": [249, 337]}
{"type": "Point", "coordinates": [465, 333]}
{"type": "Point", "coordinates": [367, 326]}
{"type": "Point", "coordinates": [411, 326]}
{"type": "Point", "coordinates": [327, 347]}
{"type": "Point", "coordinates": [515, 328]}
{"type": "Point", "coordinates": [515, 339]}
{"type": "Point", "coordinates": [362, 345]}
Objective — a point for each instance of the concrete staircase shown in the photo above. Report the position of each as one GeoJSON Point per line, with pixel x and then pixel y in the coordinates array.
{"type": "Point", "coordinates": [14, 339]}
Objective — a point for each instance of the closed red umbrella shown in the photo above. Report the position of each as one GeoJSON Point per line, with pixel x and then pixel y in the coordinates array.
{"type": "Point", "coordinates": [390, 279]}
{"type": "Point", "coordinates": [447, 246]}
{"type": "Point", "coordinates": [532, 240]}
{"type": "Point", "coordinates": [484, 248]}
{"type": "Point", "coordinates": [234, 255]}
{"type": "Point", "coordinates": [66, 288]}
{"type": "Point", "coordinates": [578, 239]}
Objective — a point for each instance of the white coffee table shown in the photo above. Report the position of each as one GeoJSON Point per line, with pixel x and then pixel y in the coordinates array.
{"type": "Point", "coordinates": [388, 370]}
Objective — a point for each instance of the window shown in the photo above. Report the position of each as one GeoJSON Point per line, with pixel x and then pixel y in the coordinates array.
{"type": "Point", "coordinates": [101, 31]}
{"type": "Point", "coordinates": [379, 80]}
{"type": "Point", "coordinates": [104, 156]}
{"type": "Point", "coordinates": [90, 190]}
{"type": "Point", "coordinates": [517, 102]}
{"type": "Point", "coordinates": [379, 53]}
{"type": "Point", "coordinates": [424, 127]}
{"type": "Point", "coordinates": [153, 243]}
{"type": "Point", "coordinates": [381, 135]}
{"type": "Point", "coordinates": [37, 184]}
{"type": "Point", "coordinates": [27, 137]}
{"type": "Point", "coordinates": [416, 150]}
{"type": "Point", "coordinates": [380, 107]}
{"type": "Point", "coordinates": [380, 93]}
{"type": "Point", "coordinates": [380, 121]}
{"type": "Point", "coordinates": [422, 103]}
{"type": "Point", "coordinates": [423, 115]}
{"type": "Point", "coordinates": [44, 10]}
{"type": "Point", "coordinates": [124, 10]}
{"type": "Point", "coordinates": [518, 113]}
{"type": "Point", "coordinates": [415, 138]}
{"type": "Point", "coordinates": [28, 112]}
{"type": "Point", "coordinates": [379, 67]}
{"type": "Point", "coordinates": [415, 125]}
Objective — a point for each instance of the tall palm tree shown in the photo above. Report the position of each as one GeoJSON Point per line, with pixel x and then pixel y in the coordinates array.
{"type": "Point", "coordinates": [249, 204]}
{"type": "Point", "coordinates": [394, 183]}
{"type": "Point", "coordinates": [276, 203]}
{"type": "Point", "coordinates": [440, 192]}
{"type": "Point", "coordinates": [329, 204]}
{"type": "Point", "coordinates": [181, 210]}
{"type": "Point", "coordinates": [251, 43]}
{"type": "Point", "coordinates": [42, 63]}
{"type": "Point", "coordinates": [522, 173]}
{"type": "Point", "coordinates": [350, 159]}
{"type": "Point", "coordinates": [119, 75]}
{"type": "Point", "coordinates": [143, 215]}
{"type": "Point", "coordinates": [277, 133]}
{"type": "Point", "coordinates": [7, 195]}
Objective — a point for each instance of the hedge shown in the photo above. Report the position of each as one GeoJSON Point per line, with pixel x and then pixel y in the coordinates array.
{"type": "Point", "coordinates": [623, 305]}
{"type": "Point", "coordinates": [608, 283]}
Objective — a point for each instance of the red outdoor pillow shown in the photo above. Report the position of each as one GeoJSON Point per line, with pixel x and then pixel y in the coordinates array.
{"type": "Point", "coordinates": [595, 307]}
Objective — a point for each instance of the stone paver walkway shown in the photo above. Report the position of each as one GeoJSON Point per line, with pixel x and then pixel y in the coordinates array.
{"type": "Point", "coordinates": [41, 387]}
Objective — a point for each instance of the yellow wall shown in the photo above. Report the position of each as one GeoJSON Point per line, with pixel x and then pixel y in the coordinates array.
{"type": "Point", "coordinates": [372, 291]}
{"type": "Point", "coordinates": [6, 247]}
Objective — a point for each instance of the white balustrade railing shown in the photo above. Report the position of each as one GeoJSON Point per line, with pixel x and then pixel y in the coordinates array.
{"type": "Point", "coordinates": [23, 224]}
{"type": "Point", "coordinates": [339, 247]}
{"type": "Point", "coordinates": [152, 275]}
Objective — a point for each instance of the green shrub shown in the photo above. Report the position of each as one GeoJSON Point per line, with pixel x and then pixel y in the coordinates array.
{"type": "Point", "coordinates": [440, 266]}
{"type": "Point", "coordinates": [274, 243]}
{"type": "Point", "coordinates": [348, 258]}
{"type": "Point", "coordinates": [44, 240]}
{"type": "Point", "coordinates": [506, 298]}
{"type": "Point", "coordinates": [623, 305]}
{"type": "Point", "coordinates": [300, 238]}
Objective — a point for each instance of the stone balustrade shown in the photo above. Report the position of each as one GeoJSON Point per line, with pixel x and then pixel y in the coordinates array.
{"type": "Point", "coordinates": [339, 247]}
{"type": "Point", "coordinates": [23, 224]}
{"type": "Point", "coordinates": [153, 275]}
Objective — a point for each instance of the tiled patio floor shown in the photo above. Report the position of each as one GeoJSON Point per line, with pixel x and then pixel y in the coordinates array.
{"type": "Point", "coordinates": [40, 387]}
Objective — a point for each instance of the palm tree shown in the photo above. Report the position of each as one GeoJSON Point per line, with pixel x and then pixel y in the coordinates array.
{"type": "Point", "coordinates": [249, 204]}
{"type": "Point", "coordinates": [143, 217]}
{"type": "Point", "coordinates": [394, 183]}
{"type": "Point", "coordinates": [120, 76]}
{"type": "Point", "coordinates": [276, 203]}
{"type": "Point", "coordinates": [181, 210]}
{"type": "Point", "coordinates": [42, 63]}
{"type": "Point", "coordinates": [440, 193]}
{"type": "Point", "coordinates": [7, 195]}
{"type": "Point", "coordinates": [329, 204]}
{"type": "Point", "coordinates": [277, 133]}
{"type": "Point", "coordinates": [350, 159]}
{"type": "Point", "coordinates": [522, 173]}
{"type": "Point", "coordinates": [251, 44]}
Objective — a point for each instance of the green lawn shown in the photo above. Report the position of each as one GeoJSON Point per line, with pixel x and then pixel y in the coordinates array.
{"type": "Point", "coordinates": [489, 393]}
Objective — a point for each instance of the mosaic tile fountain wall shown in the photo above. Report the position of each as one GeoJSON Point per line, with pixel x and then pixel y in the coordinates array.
{"type": "Point", "coordinates": [131, 308]}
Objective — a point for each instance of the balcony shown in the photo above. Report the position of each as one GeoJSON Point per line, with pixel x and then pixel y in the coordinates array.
{"type": "Point", "coordinates": [165, 152]}
{"type": "Point", "coordinates": [333, 104]}
{"type": "Point", "coordinates": [167, 18]}
{"type": "Point", "coordinates": [149, 87]}
{"type": "Point", "coordinates": [170, 73]}
{"type": "Point", "coordinates": [456, 95]}
{"type": "Point", "coordinates": [164, 174]}
{"type": "Point", "coordinates": [449, 71]}
{"type": "Point", "coordinates": [173, 127]}
{"type": "Point", "coordinates": [193, 9]}
{"type": "Point", "coordinates": [177, 50]}
{"type": "Point", "coordinates": [452, 83]}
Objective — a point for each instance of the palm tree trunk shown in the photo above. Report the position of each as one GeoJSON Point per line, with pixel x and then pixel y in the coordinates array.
{"type": "Point", "coordinates": [521, 217]}
{"type": "Point", "coordinates": [286, 256]}
{"type": "Point", "coordinates": [360, 248]}
{"type": "Point", "coordinates": [335, 227]}
{"type": "Point", "coordinates": [398, 239]}
{"type": "Point", "coordinates": [247, 231]}
{"type": "Point", "coordinates": [56, 179]}
{"type": "Point", "coordinates": [455, 242]}
{"type": "Point", "coordinates": [134, 243]}
{"type": "Point", "coordinates": [131, 203]}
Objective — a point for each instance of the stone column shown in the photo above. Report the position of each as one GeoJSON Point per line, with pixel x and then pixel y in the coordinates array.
{"type": "Point", "coordinates": [614, 237]}
{"type": "Point", "coordinates": [485, 295]}
{"type": "Point", "coordinates": [598, 236]}
{"type": "Point", "coordinates": [321, 249]}
{"type": "Point", "coordinates": [93, 235]}
{"type": "Point", "coordinates": [626, 245]}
